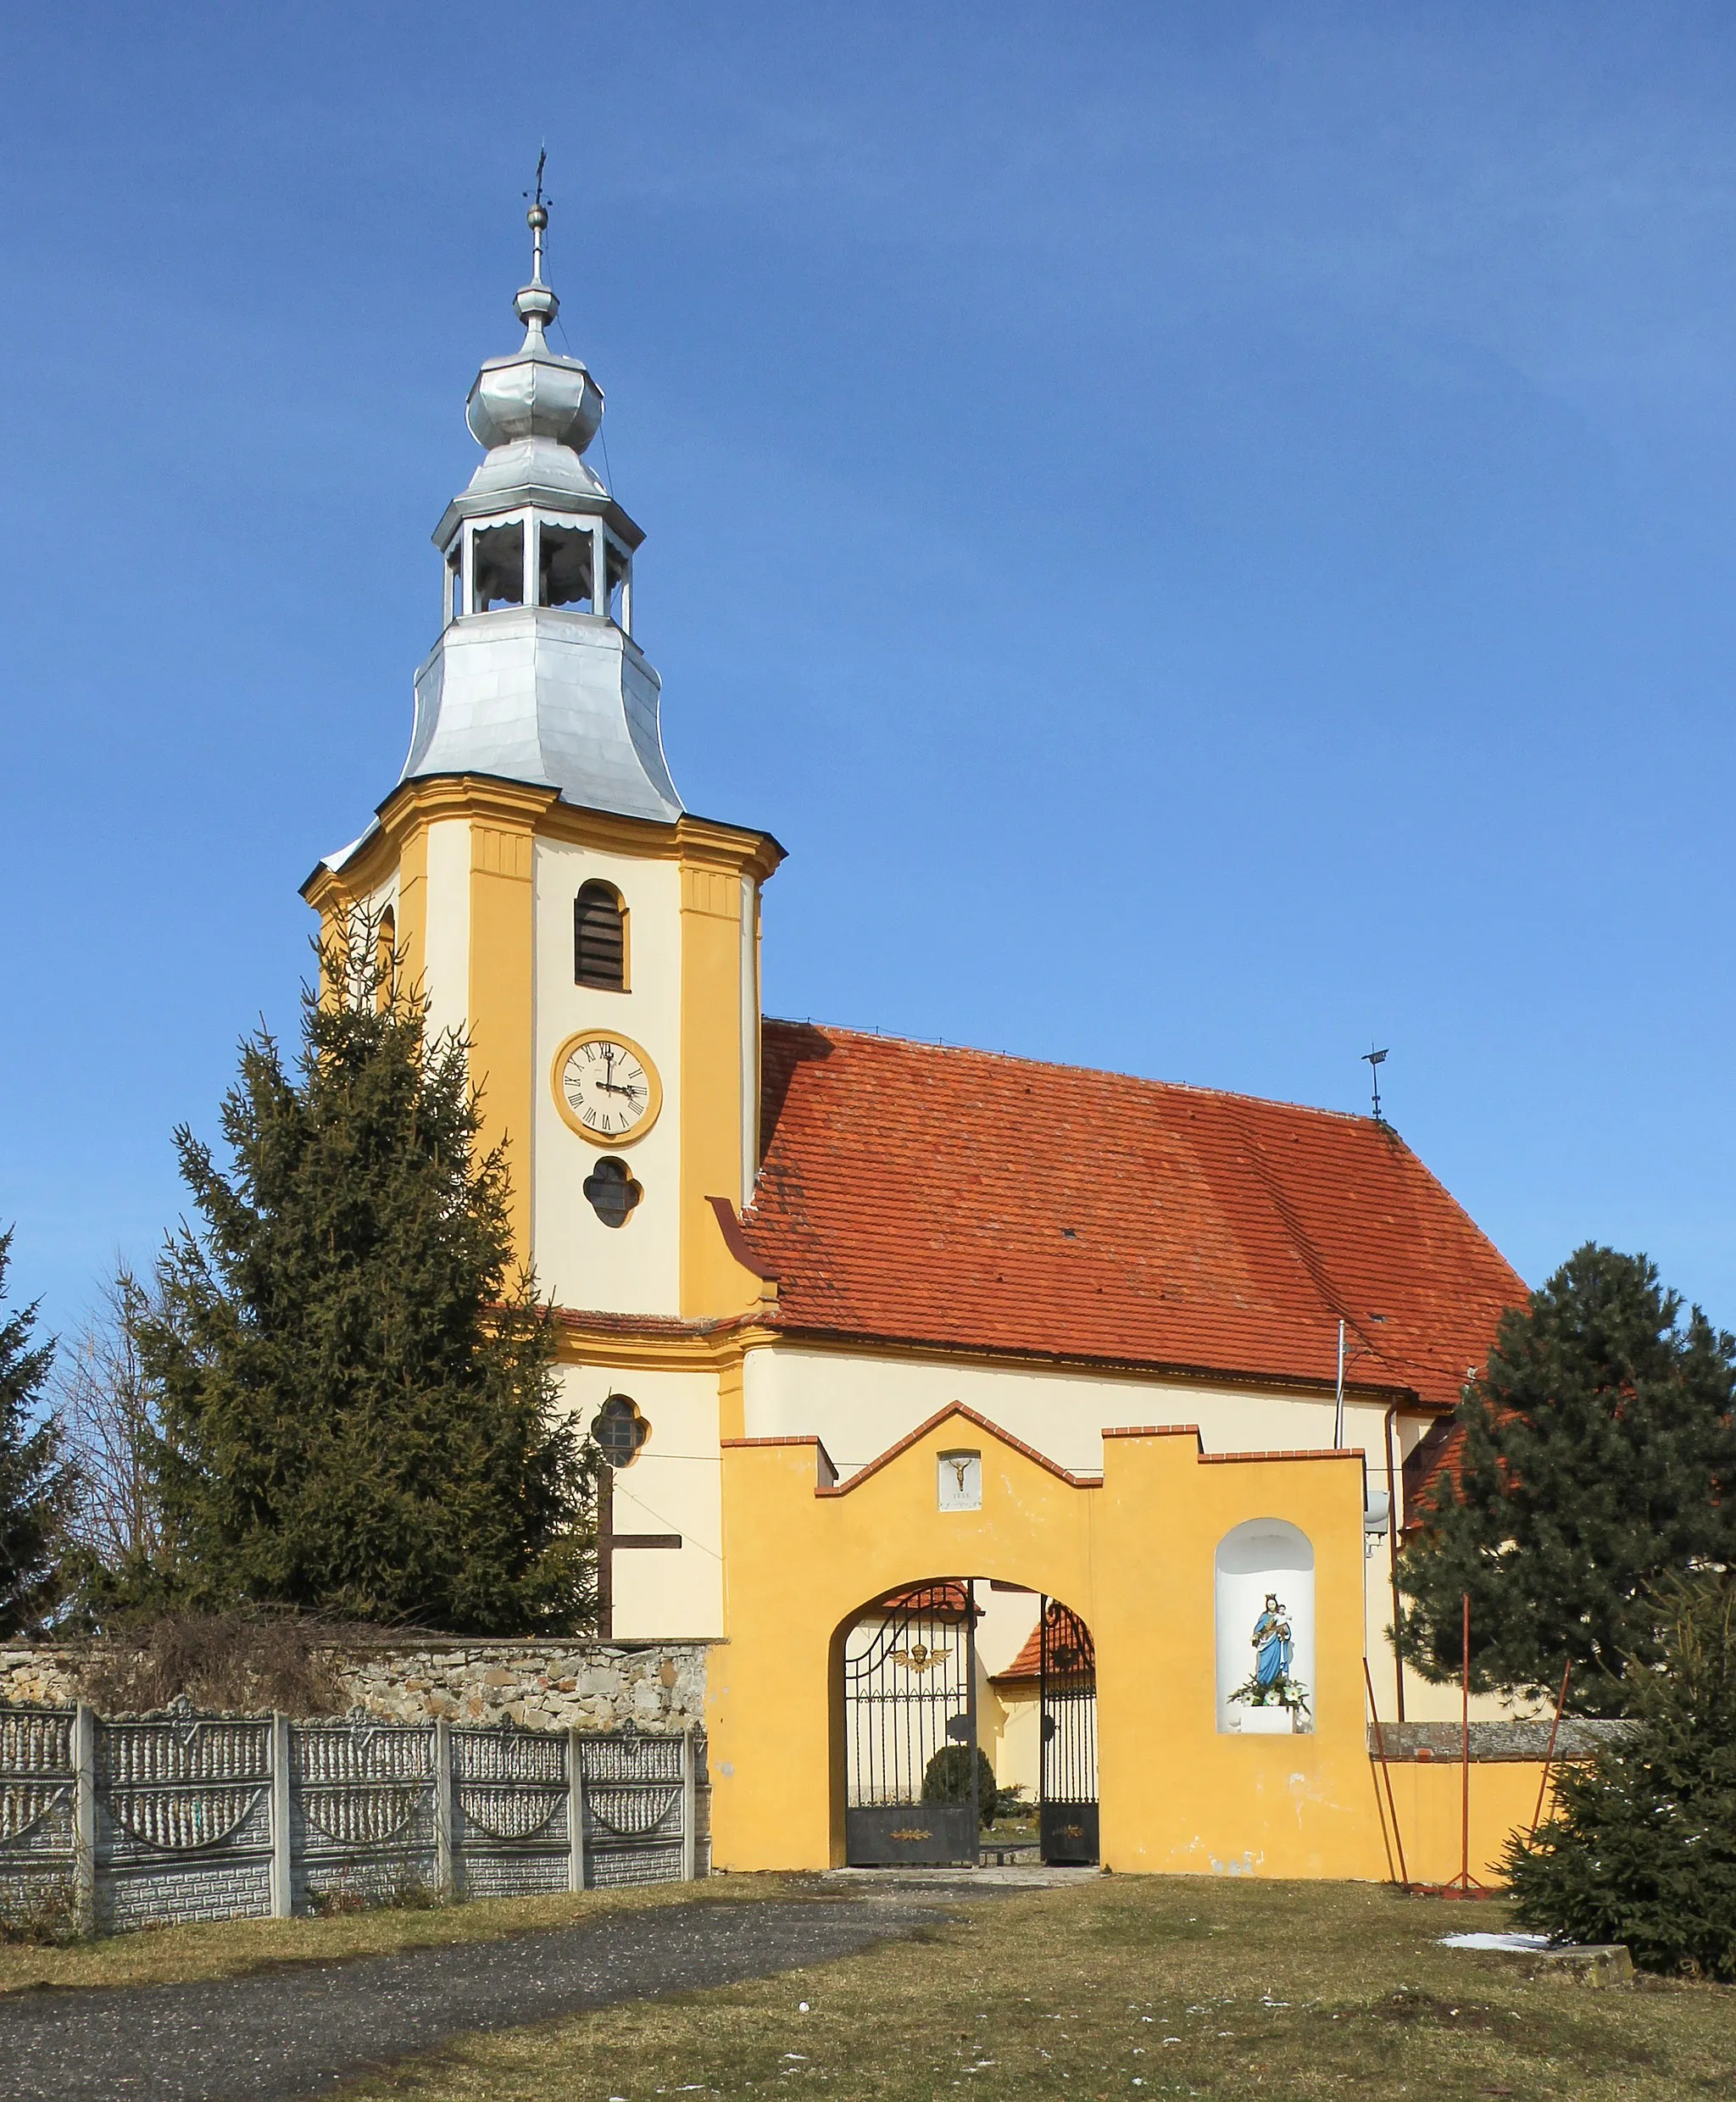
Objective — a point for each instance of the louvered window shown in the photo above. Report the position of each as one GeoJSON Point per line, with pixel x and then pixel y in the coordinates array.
{"type": "Point", "coordinates": [600, 938]}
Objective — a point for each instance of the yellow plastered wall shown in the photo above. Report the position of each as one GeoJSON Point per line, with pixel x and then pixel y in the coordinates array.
{"type": "Point", "coordinates": [502, 950]}
{"type": "Point", "coordinates": [1430, 1806]}
{"type": "Point", "coordinates": [1137, 1558]}
{"type": "Point", "coordinates": [413, 906]}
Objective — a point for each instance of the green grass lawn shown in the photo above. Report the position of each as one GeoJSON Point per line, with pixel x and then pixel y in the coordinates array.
{"type": "Point", "coordinates": [1135, 1987]}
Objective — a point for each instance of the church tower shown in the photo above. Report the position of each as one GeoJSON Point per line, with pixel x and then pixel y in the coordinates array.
{"type": "Point", "coordinates": [598, 944]}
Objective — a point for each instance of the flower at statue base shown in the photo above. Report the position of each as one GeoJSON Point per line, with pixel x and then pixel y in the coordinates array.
{"type": "Point", "coordinates": [1281, 1691]}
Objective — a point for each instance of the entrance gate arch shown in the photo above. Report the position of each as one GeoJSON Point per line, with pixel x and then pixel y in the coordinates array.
{"type": "Point", "coordinates": [911, 1791]}
{"type": "Point", "coordinates": [915, 1782]}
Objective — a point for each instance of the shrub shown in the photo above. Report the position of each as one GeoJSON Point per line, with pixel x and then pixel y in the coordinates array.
{"type": "Point", "coordinates": [230, 1661]}
{"type": "Point", "coordinates": [40, 1911]}
{"type": "Point", "coordinates": [1641, 1848]}
{"type": "Point", "coordinates": [947, 1779]}
{"type": "Point", "coordinates": [1011, 1806]}
{"type": "Point", "coordinates": [403, 1889]}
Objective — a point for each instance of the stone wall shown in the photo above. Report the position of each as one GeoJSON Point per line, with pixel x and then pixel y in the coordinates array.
{"type": "Point", "coordinates": [587, 1686]}
{"type": "Point", "coordinates": [39, 1677]}
{"type": "Point", "coordinates": [1577, 1738]}
{"type": "Point", "coordinates": [657, 1687]}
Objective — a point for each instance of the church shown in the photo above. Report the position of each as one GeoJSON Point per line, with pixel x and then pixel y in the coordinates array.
{"type": "Point", "coordinates": [955, 1399]}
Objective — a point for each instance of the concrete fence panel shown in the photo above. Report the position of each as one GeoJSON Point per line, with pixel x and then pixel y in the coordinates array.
{"type": "Point", "coordinates": [187, 1816]}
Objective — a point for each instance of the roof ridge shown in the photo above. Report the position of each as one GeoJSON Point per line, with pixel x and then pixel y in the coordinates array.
{"type": "Point", "coordinates": [1100, 1072]}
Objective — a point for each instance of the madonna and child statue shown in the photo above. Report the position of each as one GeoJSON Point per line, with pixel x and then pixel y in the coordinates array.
{"type": "Point", "coordinates": [1272, 1684]}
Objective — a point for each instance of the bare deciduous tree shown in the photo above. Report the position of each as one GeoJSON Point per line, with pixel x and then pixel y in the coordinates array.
{"type": "Point", "coordinates": [110, 1412]}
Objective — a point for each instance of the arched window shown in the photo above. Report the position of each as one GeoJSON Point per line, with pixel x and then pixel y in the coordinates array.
{"type": "Point", "coordinates": [620, 1430]}
{"type": "Point", "coordinates": [600, 938]}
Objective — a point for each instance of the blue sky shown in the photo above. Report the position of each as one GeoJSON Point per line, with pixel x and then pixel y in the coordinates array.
{"type": "Point", "coordinates": [1207, 530]}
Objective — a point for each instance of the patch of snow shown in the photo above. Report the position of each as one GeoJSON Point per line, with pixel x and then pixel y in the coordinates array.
{"type": "Point", "coordinates": [1520, 1943]}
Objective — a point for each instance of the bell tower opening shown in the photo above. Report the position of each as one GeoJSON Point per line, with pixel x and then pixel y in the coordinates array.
{"type": "Point", "coordinates": [566, 568]}
{"type": "Point", "coordinates": [497, 566]}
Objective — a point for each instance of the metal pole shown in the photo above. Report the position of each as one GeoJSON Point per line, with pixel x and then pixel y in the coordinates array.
{"type": "Point", "coordinates": [1465, 1756]}
{"type": "Point", "coordinates": [1380, 1738]}
{"type": "Point", "coordinates": [1339, 1407]}
{"type": "Point", "coordinates": [1392, 1522]}
{"type": "Point", "coordinates": [1548, 1757]}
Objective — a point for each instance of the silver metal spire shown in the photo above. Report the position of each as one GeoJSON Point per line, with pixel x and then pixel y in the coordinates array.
{"type": "Point", "coordinates": [536, 676]}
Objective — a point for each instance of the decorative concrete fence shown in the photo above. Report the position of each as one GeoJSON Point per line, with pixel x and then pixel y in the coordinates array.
{"type": "Point", "coordinates": [183, 1816]}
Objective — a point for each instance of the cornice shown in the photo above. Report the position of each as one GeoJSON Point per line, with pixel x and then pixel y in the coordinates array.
{"type": "Point", "coordinates": [516, 804]}
{"type": "Point", "coordinates": [620, 1343]}
{"type": "Point", "coordinates": [709, 844]}
{"type": "Point", "coordinates": [697, 841]}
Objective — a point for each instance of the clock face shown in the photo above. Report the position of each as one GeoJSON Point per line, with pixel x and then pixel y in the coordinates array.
{"type": "Point", "coordinates": [606, 1087]}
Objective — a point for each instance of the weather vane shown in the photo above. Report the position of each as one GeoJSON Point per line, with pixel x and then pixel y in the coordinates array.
{"type": "Point", "coordinates": [1375, 1059]}
{"type": "Point", "coordinates": [538, 217]}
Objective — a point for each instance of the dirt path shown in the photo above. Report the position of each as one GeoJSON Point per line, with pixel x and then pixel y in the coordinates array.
{"type": "Point", "coordinates": [290, 2034]}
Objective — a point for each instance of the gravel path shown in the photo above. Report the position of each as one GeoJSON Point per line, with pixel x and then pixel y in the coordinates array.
{"type": "Point", "coordinates": [294, 2032]}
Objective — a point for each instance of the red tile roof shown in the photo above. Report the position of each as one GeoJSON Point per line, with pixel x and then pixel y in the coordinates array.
{"type": "Point", "coordinates": [1027, 1665]}
{"type": "Point", "coordinates": [1064, 1655]}
{"type": "Point", "coordinates": [914, 1193]}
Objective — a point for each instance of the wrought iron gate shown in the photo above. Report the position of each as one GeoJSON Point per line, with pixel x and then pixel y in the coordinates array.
{"type": "Point", "coordinates": [1067, 1685]}
{"type": "Point", "coordinates": [910, 1698]}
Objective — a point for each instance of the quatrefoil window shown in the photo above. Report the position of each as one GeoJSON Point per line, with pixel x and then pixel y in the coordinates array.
{"type": "Point", "coordinates": [611, 1191]}
{"type": "Point", "coordinates": [620, 1430]}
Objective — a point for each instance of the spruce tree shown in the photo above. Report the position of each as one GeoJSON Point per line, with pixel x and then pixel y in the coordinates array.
{"type": "Point", "coordinates": [355, 1383]}
{"type": "Point", "coordinates": [38, 1489]}
{"type": "Point", "coordinates": [1641, 1847]}
{"type": "Point", "coordinates": [1599, 1456]}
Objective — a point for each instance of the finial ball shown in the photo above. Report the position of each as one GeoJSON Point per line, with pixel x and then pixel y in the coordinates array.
{"type": "Point", "coordinates": [537, 217]}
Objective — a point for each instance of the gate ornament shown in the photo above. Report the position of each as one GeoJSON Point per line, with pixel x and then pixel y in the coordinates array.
{"type": "Point", "coordinates": [920, 1657]}
{"type": "Point", "coordinates": [185, 1720]}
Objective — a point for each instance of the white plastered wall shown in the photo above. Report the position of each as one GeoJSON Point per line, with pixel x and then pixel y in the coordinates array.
{"type": "Point", "coordinates": [674, 1486]}
{"type": "Point", "coordinates": [581, 1262]}
{"type": "Point", "coordinates": [859, 1406]}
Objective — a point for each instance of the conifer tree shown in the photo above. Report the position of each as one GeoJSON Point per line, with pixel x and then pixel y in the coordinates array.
{"type": "Point", "coordinates": [355, 1384]}
{"type": "Point", "coordinates": [1641, 1847]}
{"type": "Point", "coordinates": [1599, 1456]}
{"type": "Point", "coordinates": [38, 1489]}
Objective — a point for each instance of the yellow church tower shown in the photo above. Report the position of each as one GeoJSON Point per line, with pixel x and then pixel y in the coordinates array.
{"type": "Point", "coordinates": [596, 943]}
